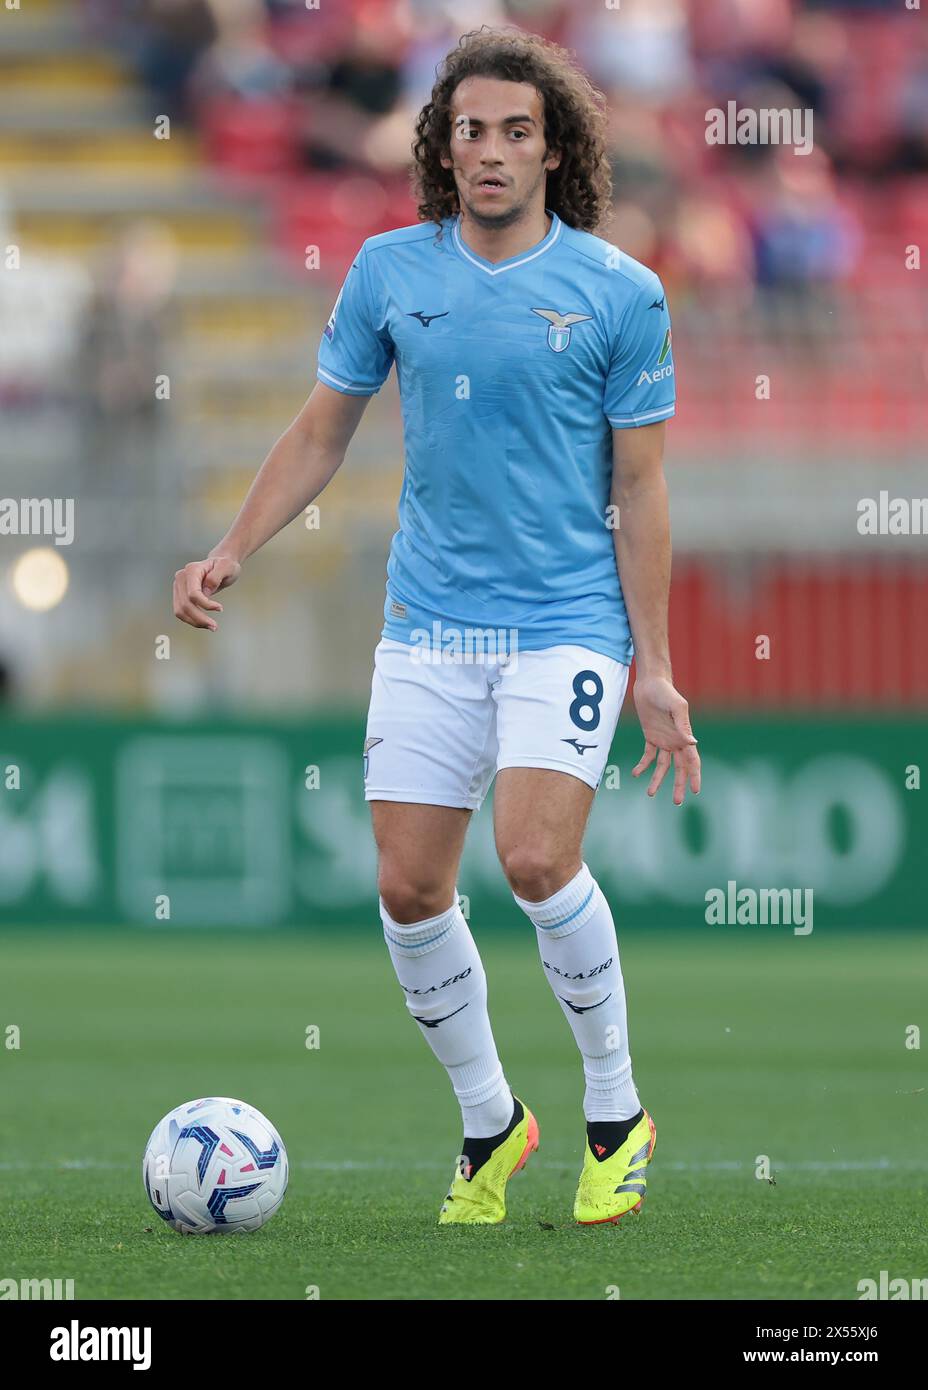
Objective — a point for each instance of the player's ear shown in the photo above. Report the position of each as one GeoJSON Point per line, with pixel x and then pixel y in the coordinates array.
{"type": "Point", "coordinates": [553, 161]}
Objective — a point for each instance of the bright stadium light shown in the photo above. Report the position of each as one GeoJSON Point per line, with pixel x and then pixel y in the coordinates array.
{"type": "Point", "coordinates": [40, 579]}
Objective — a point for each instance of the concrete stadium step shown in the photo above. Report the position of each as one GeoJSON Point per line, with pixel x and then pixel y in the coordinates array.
{"type": "Point", "coordinates": [77, 233]}
{"type": "Point", "coordinates": [123, 109]}
{"type": "Point", "coordinates": [105, 153]}
{"type": "Point", "coordinates": [39, 27]}
{"type": "Point", "coordinates": [246, 271]}
{"type": "Point", "coordinates": [167, 185]}
{"type": "Point", "coordinates": [61, 77]}
{"type": "Point", "coordinates": [206, 358]}
{"type": "Point", "coordinates": [244, 319]}
{"type": "Point", "coordinates": [264, 407]}
{"type": "Point", "coordinates": [188, 195]}
{"type": "Point", "coordinates": [222, 493]}
{"type": "Point", "coordinates": [201, 375]}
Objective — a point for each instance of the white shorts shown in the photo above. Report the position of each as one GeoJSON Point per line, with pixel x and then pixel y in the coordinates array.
{"type": "Point", "coordinates": [437, 732]}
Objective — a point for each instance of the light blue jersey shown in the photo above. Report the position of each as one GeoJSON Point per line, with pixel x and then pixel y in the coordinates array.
{"type": "Point", "coordinates": [512, 377]}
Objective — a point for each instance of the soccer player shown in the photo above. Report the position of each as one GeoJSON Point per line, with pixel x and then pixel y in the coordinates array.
{"type": "Point", "coordinates": [535, 371]}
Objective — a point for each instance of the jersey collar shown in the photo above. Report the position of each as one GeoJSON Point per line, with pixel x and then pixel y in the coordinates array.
{"type": "Point", "coordinates": [498, 267]}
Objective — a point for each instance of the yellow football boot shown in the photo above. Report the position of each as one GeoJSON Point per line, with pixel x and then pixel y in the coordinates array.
{"type": "Point", "coordinates": [479, 1198]}
{"type": "Point", "coordinates": [611, 1188]}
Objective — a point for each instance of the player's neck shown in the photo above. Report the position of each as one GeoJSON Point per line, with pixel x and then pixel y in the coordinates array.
{"type": "Point", "coordinates": [502, 243]}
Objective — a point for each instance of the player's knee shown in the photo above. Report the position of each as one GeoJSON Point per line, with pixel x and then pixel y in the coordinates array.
{"type": "Point", "coordinates": [408, 900]}
{"type": "Point", "coordinates": [534, 872]}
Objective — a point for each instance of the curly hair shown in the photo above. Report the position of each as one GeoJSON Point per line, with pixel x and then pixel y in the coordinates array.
{"type": "Point", "coordinates": [580, 189]}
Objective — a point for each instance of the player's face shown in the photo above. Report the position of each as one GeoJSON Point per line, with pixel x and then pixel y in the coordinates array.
{"type": "Point", "coordinates": [497, 150]}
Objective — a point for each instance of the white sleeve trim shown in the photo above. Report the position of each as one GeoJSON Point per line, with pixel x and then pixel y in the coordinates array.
{"type": "Point", "coordinates": [621, 422]}
{"type": "Point", "coordinates": [350, 387]}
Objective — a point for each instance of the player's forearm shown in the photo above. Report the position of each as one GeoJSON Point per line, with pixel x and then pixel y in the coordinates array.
{"type": "Point", "coordinates": [642, 552]}
{"type": "Point", "coordinates": [293, 474]}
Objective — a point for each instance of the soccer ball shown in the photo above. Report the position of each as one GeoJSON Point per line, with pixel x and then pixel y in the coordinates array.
{"type": "Point", "coordinates": [215, 1165]}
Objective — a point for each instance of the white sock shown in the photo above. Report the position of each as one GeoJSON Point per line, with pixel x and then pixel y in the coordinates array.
{"type": "Point", "coordinates": [580, 954]}
{"type": "Point", "coordinates": [440, 970]}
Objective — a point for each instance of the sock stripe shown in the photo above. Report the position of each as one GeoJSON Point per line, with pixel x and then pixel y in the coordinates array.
{"type": "Point", "coordinates": [418, 938]}
{"type": "Point", "coordinates": [567, 910]}
{"type": "Point", "coordinates": [553, 926]}
{"type": "Point", "coordinates": [419, 946]}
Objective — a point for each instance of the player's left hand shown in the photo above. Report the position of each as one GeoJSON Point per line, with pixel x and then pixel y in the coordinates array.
{"type": "Point", "coordinates": [665, 723]}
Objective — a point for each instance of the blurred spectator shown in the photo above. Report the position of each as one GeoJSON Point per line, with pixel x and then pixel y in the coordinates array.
{"type": "Point", "coordinates": [42, 301]}
{"type": "Point", "coordinates": [805, 243]}
{"type": "Point", "coordinates": [641, 47]}
{"type": "Point", "coordinates": [347, 99]}
{"type": "Point", "coordinates": [910, 109]}
{"type": "Point", "coordinates": [124, 456]}
{"type": "Point", "coordinates": [436, 26]}
{"type": "Point", "coordinates": [240, 61]}
{"type": "Point", "coordinates": [803, 237]}
{"type": "Point", "coordinates": [121, 351]}
{"type": "Point", "coordinates": [170, 36]}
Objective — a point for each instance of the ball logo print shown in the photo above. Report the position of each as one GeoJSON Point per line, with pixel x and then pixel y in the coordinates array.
{"type": "Point", "coordinates": [213, 1166]}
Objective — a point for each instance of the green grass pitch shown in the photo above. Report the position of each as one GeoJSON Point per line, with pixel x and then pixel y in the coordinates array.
{"type": "Point", "coordinates": [743, 1045]}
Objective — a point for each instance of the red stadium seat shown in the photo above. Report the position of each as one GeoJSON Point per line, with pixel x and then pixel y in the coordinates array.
{"type": "Point", "coordinates": [336, 212]}
{"type": "Point", "coordinates": [251, 137]}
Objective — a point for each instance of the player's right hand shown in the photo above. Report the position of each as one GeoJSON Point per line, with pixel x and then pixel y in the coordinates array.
{"type": "Point", "coordinates": [195, 585]}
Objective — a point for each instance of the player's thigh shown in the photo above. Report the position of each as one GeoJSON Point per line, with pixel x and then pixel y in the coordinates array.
{"type": "Point", "coordinates": [418, 854]}
{"type": "Point", "coordinates": [556, 715]}
{"type": "Point", "coordinates": [539, 818]}
{"type": "Point", "coordinates": [429, 753]}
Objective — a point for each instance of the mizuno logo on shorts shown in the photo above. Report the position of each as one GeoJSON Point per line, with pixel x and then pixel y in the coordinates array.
{"type": "Point", "coordinates": [580, 747]}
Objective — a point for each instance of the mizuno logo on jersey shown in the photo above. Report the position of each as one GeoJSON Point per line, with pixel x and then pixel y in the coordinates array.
{"type": "Point", "coordinates": [426, 319]}
{"type": "Point", "coordinates": [560, 326]}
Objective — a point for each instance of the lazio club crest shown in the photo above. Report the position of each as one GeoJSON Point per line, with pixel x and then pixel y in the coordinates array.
{"type": "Point", "coordinates": [559, 326]}
{"type": "Point", "coordinates": [369, 743]}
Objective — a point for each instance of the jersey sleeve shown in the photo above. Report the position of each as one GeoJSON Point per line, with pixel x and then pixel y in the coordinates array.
{"type": "Point", "coordinates": [355, 351]}
{"type": "Point", "coordinates": [640, 384]}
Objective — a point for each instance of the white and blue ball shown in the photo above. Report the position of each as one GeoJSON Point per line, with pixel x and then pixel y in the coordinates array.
{"type": "Point", "coordinates": [215, 1166]}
